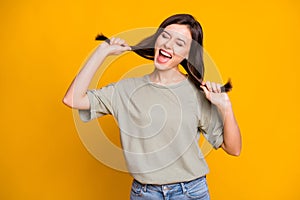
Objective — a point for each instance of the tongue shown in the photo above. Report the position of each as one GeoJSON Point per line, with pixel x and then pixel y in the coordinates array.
{"type": "Point", "coordinates": [162, 59]}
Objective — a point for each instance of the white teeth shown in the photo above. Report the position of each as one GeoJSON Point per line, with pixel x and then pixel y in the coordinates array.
{"type": "Point", "coordinates": [165, 54]}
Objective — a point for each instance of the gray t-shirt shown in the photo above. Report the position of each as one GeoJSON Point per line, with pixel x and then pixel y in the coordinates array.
{"type": "Point", "coordinates": [159, 126]}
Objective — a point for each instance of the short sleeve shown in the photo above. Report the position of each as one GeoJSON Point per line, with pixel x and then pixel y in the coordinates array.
{"type": "Point", "coordinates": [100, 103]}
{"type": "Point", "coordinates": [211, 123]}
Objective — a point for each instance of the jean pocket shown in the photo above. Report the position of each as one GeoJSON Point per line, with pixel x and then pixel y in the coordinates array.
{"type": "Point", "coordinates": [136, 189]}
{"type": "Point", "coordinates": [197, 189]}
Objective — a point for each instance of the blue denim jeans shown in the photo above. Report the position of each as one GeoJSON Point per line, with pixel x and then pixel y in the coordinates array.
{"type": "Point", "coordinates": [195, 189]}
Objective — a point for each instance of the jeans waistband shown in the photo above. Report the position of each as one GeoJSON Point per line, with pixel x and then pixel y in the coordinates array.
{"type": "Point", "coordinates": [162, 186]}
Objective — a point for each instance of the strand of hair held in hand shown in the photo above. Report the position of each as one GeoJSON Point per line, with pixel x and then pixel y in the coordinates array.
{"type": "Point", "coordinates": [106, 39]}
{"type": "Point", "coordinates": [139, 50]}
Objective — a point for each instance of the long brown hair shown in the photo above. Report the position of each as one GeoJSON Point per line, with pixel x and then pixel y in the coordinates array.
{"type": "Point", "coordinates": [194, 65]}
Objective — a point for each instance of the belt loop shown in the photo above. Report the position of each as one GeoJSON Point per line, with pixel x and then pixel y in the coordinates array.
{"type": "Point", "coordinates": [145, 188]}
{"type": "Point", "coordinates": [183, 188]}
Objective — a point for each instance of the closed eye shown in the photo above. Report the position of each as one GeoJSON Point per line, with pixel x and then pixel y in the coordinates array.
{"type": "Point", "coordinates": [181, 44]}
{"type": "Point", "coordinates": [165, 35]}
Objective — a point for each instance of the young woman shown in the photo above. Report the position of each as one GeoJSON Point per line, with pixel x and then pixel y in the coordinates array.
{"type": "Point", "coordinates": [161, 114]}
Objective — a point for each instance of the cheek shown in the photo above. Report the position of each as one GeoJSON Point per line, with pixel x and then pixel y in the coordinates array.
{"type": "Point", "coordinates": [159, 41]}
{"type": "Point", "coordinates": [182, 53]}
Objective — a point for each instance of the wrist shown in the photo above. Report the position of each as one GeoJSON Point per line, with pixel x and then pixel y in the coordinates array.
{"type": "Point", "coordinates": [103, 49]}
{"type": "Point", "coordinates": [225, 106]}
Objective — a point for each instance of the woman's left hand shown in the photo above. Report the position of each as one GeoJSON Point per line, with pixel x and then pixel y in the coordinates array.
{"type": "Point", "coordinates": [214, 95]}
{"type": "Point", "coordinates": [232, 142]}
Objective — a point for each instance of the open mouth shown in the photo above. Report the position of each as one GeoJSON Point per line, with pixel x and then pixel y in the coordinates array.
{"type": "Point", "coordinates": [163, 56]}
{"type": "Point", "coordinates": [165, 53]}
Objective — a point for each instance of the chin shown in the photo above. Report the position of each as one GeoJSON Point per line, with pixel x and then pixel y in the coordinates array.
{"type": "Point", "coordinates": [162, 67]}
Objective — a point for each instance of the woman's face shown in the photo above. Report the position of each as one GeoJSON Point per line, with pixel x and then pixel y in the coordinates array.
{"type": "Point", "coordinates": [172, 46]}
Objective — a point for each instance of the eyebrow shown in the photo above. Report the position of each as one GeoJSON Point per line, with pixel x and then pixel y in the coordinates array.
{"type": "Point", "coordinates": [176, 38]}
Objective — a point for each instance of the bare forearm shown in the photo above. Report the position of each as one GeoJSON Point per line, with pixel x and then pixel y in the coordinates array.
{"type": "Point", "coordinates": [75, 96]}
{"type": "Point", "coordinates": [232, 138]}
{"type": "Point", "coordinates": [86, 74]}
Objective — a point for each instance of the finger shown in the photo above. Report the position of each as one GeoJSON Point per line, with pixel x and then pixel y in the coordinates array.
{"type": "Point", "coordinates": [207, 93]}
{"type": "Point", "coordinates": [126, 48]}
{"type": "Point", "coordinates": [204, 89]}
{"type": "Point", "coordinates": [112, 40]}
{"type": "Point", "coordinates": [117, 41]}
{"type": "Point", "coordinates": [219, 88]}
{"type": "Point", "coordinates": [121, 42]}
{"type": "Point", "coordinates": [208, 85]}
{"type": "Point", "coordinates": [214, 87]}
{"type": "Point", "coordinates": [125, 45]}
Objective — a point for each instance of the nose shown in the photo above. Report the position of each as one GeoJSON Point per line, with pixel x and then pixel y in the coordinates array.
{"type": "Point", "coordinates": [169, 44]}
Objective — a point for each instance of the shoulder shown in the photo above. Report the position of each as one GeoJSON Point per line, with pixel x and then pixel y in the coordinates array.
{"type": "Point", "coordinates": [130, 83]}
{"type": "Point", "coordinates": [203, 102]}
{"type": "Point", "coordinates": [197, 91]}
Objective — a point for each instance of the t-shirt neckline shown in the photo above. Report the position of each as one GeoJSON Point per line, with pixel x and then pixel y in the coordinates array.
{"type": "Point", "coordinates": [174, 85]}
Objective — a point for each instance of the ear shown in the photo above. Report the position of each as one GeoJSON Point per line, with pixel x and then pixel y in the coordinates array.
{"type": "Point", "coordinates": [187, 56]}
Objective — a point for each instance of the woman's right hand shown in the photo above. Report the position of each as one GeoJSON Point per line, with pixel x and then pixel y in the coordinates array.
{"type": "Point", "coordinates": [115, 47]}
{"type": "Point", "coordinates": [76, 96]}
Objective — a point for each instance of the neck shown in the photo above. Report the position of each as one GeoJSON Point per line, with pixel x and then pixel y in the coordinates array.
{"type": "Point", "coordinates": [166, 77]}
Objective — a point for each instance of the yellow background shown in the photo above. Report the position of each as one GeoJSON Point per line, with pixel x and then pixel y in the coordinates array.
{"type": "Point", "coordinates": [43, 44]}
